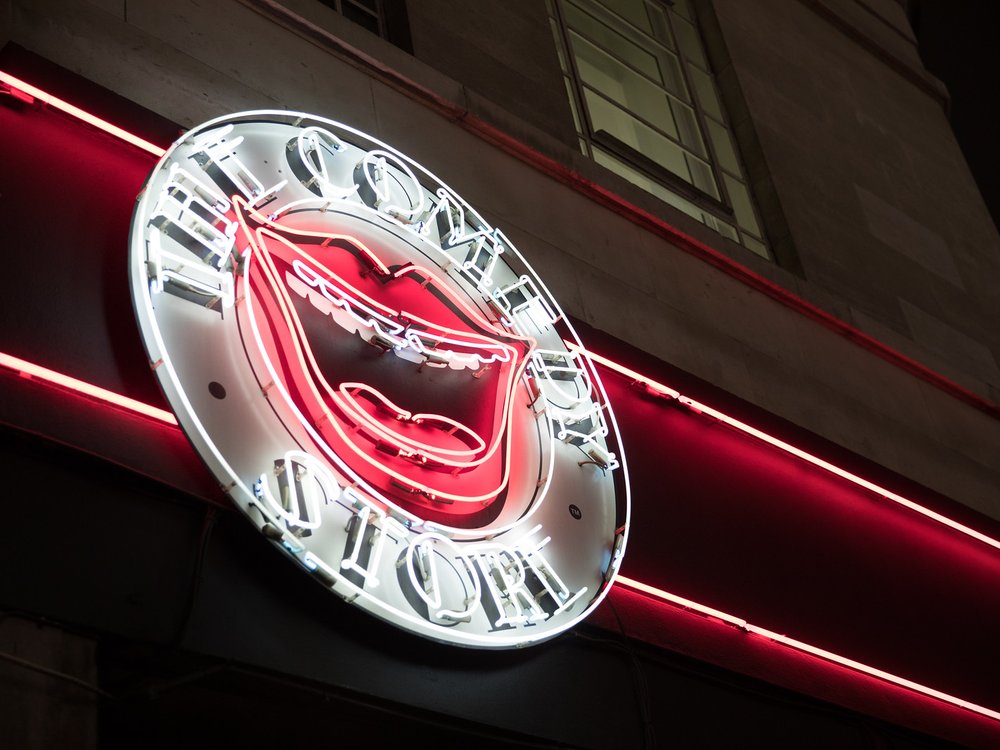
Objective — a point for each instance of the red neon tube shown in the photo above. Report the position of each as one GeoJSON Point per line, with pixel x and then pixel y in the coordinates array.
{"type": "Point", "coordinates": [803, 647]}
{"type": "Point", "coordinates": [699, 408]}
{"type": "Point", "coordinates": [80, 114]}
{"type": "Point", "coordinates": [37, 372]}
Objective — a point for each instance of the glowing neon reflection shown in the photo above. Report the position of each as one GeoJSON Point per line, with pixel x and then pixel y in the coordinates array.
{"type": "Point", "coordinates": [266, 244]}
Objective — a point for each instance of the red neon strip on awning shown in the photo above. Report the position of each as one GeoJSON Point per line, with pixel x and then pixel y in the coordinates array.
{"type": "Point", "coordinates": [803, 647]}
{"type": "Point", "coordinates": [700, 408]}
{"type": "Point", "coordinates": [80, 114]}
{"type": "Point", "coordinates": [30, 370]}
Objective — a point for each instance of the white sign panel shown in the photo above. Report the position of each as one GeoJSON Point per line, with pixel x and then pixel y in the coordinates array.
{"type": "Point", "coordinates": [379, 379]}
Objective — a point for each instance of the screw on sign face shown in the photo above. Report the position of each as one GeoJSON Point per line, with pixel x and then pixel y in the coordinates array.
{"type": "Point", "coordinates": [378, 379]}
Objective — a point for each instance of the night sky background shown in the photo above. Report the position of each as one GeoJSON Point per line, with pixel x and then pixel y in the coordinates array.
{"type": "Point", "coordinates": [959, 44]}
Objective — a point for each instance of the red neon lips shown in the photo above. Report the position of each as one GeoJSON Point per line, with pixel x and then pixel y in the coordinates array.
{"type": "Point", "coordinates": [401, 378]}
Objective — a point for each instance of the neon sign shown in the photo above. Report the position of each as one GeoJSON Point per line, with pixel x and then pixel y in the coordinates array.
{"type": "Point", "coordinates": [379, 379]}
{"type": "Point", "coordinates": [32, 371]}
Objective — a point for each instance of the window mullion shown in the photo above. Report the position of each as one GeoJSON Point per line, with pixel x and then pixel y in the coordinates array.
{"type": "Point", "coordinates": [700, 114]}
{"type": "Point", "coordinates": [576, 82]}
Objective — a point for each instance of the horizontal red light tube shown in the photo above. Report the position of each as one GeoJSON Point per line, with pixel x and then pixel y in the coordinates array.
{"type": "Point", "coordinates": [37, 372]}
{"type": "Point", "coordinates": [705, 410]}
{"type": "Point", "coordinates": [97, 122]}
{"type": "Point", "coordinates": [803, 647]}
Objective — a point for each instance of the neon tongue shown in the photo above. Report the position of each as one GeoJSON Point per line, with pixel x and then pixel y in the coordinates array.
{"type": "Point", "coordinates": [433, 436]}
{"type": "Point", "coordinates": [422, 451]}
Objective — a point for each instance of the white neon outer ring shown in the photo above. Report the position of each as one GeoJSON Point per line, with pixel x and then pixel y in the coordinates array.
{"type": "Point", "coordinates": [189, 419]}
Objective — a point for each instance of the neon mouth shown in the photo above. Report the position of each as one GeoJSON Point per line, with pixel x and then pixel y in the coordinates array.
{"type": "Point", "coordinates": [395, 373]}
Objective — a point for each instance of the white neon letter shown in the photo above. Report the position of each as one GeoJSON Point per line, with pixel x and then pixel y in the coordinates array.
{"type": "Point", "coordinates": [423, 568]}
{"type": "Point", "coordinates": [312, 143]}
{"type": "Point", "coordinates": [368, 515]}
{"type": "Point", "coordinates": [304, 485]}
{"type": "Point", "coordinates": [381, 169]}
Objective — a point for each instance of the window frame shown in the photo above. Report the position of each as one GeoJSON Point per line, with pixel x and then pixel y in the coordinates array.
{"type": "Point", "coordinates": [715, 211]}
{"type": "Point", "coordinates": [390, 17]}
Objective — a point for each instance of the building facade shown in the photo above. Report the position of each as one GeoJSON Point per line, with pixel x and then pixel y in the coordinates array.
{"type": "Point", "coordinates": [759, 205]}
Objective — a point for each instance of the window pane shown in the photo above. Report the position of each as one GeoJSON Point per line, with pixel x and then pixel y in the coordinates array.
{"type": "Point", "coordinates": [559, 48]}
{"type": "Point", "coordinates": [688, 41]}
{"type": "Point", "coordinates": [633, 11]}
{"type": "Point", "coordinates": [722, 142]}
{"type": "Point", "coordinates": [672, 77]}
{"type": "Point", "coordinates": [724, 228]}
{"type": "Point", "coordinates": [741, 205]}
{"type": "Point", "coordinates": [624, 86]}
{"type": "Point", "coordinates": [572, 105]}
{"type": "Point", "coordinates": [650, 186]}
{"type": "Point", "coordinates": [607, 39]}
{"type": "Point", "coordinates": [687, 125]}
{"type": "Point", "coordinates": [705, 90]}
{"type": "Point", "coordinates": [645, 140]}
{"type": "Point", "coordinates": [661, 30]}
{"type": "Point", "coordinates": [758, 247]}
{"type": "Point", "coordinates": [361, 17]}
{"type": "Point", "coordinates": [701, 176]}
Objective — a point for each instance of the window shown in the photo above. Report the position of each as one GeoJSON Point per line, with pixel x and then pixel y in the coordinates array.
{"type": "Point", "coordinates": [645, 106]}
{"type": "Point", "coordinates": [386, 18]}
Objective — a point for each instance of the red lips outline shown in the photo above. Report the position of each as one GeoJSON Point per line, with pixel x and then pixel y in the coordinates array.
{"type": "Point", "coordinates": [432, 472]}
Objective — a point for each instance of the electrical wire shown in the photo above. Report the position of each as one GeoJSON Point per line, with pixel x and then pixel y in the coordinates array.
{"type": "Point", "coordinates": [54, 673]}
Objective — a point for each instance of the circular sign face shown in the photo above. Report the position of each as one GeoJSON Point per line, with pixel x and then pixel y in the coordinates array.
{"type": "Point", "coordinates": [378, 379]}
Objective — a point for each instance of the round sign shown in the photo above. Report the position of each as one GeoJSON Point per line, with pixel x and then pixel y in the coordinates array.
{"type": "Point", "coordinates": [378, 379]}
